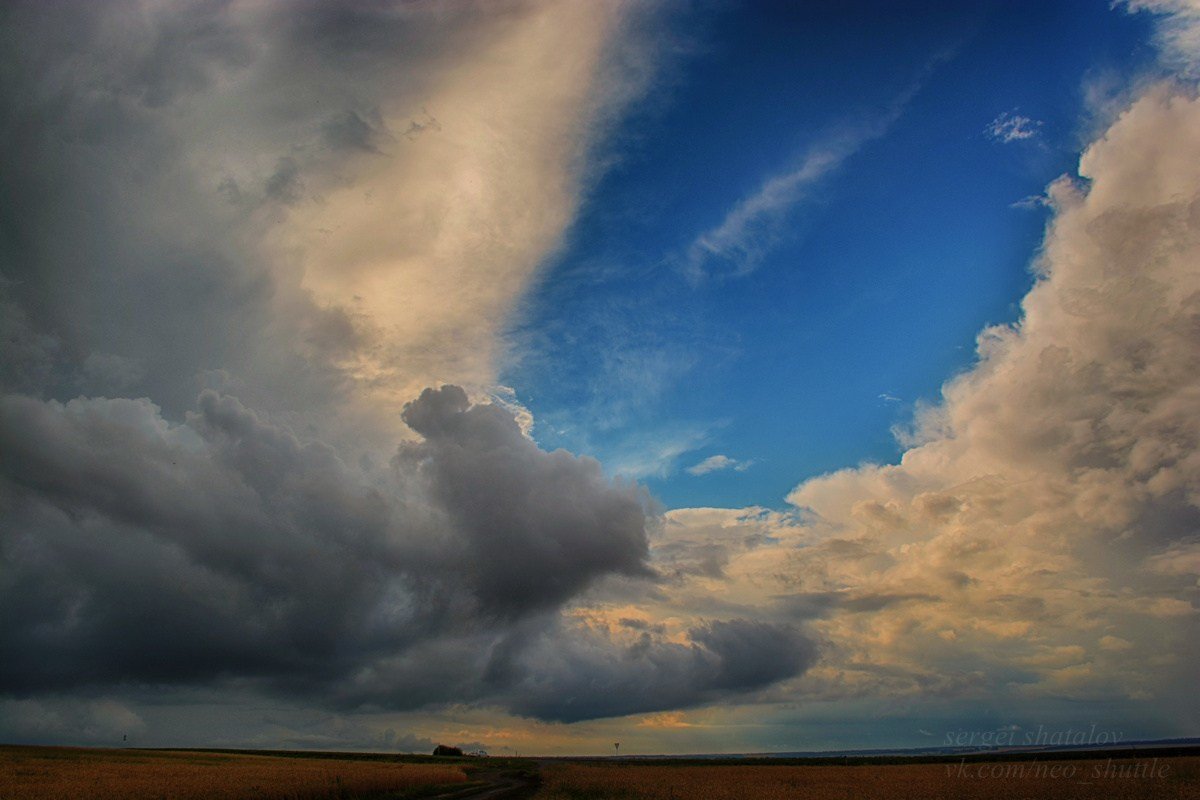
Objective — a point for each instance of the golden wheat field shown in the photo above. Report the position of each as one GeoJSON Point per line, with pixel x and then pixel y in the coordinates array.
{"type": "Point", "coordinates": [1111, 779]}
{"type": "Point", "coordinates": [61, 773]}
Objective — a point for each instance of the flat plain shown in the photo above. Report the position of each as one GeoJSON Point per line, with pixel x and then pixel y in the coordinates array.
{"type": "Point", "coordinates": [59, 773]}
{"type": "Point", "coordinates": [63, 773]}
{"type": "Point", "coordinates": [1112, 779]}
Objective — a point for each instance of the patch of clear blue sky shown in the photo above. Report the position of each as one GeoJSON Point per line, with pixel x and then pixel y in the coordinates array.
{"type": "Point", "coordinates": [875, 282]}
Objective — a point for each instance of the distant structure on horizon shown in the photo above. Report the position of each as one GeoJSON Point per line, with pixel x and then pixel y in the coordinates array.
{"type": "Point", "coordinates": [447, 750]}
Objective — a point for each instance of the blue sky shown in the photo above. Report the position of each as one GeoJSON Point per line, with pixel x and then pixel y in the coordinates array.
{"type": "Point", "coordinates": [870, 286]}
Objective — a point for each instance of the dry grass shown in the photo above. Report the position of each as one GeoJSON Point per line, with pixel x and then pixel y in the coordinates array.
{"type": "Point", "coordinates": [59, 773]}
{"type": "Point", "coordinates": [1116, 779]}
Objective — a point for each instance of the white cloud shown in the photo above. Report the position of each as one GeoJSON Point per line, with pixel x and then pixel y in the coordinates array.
{"type": "Point", "coordinates": [427, 247]}
{"type": "Point", "coordinates": [1031, 202]}
{"type": "Point", "coordinates": [717, 463]}
{"type": "Point", "coordinates": [654, 455]}
{"type": "Point", "coordinates": [1037, 537]}
{"type": "Point", "coordinates": [1012, 127]}
{"type": "Point", "coordinates": [506, 398]}
{"type": "Point", "coordinates": [1178, 32]}
{"type": "Point", "coordinates": [1065, 459]}
{"type": "Point", "coordinates": [751, 227]}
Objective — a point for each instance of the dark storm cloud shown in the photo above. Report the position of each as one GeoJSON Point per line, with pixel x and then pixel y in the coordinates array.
{"type": "Point", "coordinates": [184, 50]}
{"type": "Point", "coordinates": [145, 146]}
{"type": "Point", "coordinates": [110, 247]}
{"type": "Point", "coordinates": [353, 131]}
{"type": "Point", "coordinates": [136, 551]}
{"type": "Point", "coordinates": [188, 496]}
{"type": "Point", "coordinates": [641, 625]}
{"type": "Point", "coordinates": [181, 551]}
{"type": "Point", "coordinates": [538, 526]}
{"type": "Point", "coordinates": [285, 184]}
{"type": "Point", "coordinates": [139, 551]}
{"type": "Point", "coordinates": [807, 605]}
{"type": "Point", "coordinates": [584, 674]}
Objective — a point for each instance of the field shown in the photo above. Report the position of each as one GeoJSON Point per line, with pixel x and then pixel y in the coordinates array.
{"type": "Point", "coordinates": [1118, 779]}
{"type": "Point", "coordinates": [60, 773]}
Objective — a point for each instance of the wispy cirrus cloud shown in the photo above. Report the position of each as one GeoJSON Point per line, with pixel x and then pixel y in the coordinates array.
{"type": "Point", "coordinates": [718, 463]}
{"type": "Point", "coordinates": [654, 456]}
{"type": "Point", "coordinates": [1177, 32]}
{"type": "Point", "coordinates": [1031, 202]}
{"type": "Point", "coordinates": [752, 226]}
{"type": "Point", "coordinates": [1009, 126]}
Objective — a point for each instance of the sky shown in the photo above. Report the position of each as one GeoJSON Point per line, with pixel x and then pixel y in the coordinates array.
{"type": "Point", "coordinates": [530, 376]}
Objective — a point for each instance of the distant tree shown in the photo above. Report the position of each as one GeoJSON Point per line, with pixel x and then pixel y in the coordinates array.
{"type": "Point", "coordinates": [447, 750]}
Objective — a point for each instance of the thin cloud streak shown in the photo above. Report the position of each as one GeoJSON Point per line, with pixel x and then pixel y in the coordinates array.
{"type": "Point", "coordinates": [1177, 32]}
{"type": "Point", "coordinates": [718, 463]}
{"type": "Point", "coordinates": [751, 228]}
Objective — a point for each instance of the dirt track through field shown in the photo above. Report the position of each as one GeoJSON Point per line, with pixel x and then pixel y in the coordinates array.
{"type": "Point", "coordinates": [497, 785]}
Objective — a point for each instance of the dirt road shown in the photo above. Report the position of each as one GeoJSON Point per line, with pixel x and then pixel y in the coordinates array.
{"type": "Point", "coordinates": [495, 784]}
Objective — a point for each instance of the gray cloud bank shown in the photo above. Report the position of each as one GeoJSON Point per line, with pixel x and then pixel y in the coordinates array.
{"type": "Point", "coordinates": [236, 238]}
{"type": "Point", "coordinates": [222, 549]}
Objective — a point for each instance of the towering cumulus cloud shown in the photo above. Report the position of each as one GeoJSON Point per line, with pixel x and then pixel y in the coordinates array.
{"type": "Point", "coordinates": [239, 240]}
{"type": "Point", "coordinates": [1039, 537]}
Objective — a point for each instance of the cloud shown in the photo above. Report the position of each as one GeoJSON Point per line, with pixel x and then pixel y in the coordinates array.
{"type": "Point", "coordinates": [100, 721]}
{"type": "Point", "coordinates": [141, 550]}
{"type": "Point", "coordinates": [245, 488]}
{"type": "Point", "coordinates": [1031, 202]}
{"type": "Point", "coordinates": [258, 172]}
{"type": "Point", "coordinates": [1037, 538]}
{"type": "Point", "coordinates": [521, 512]}
{"type": "Point", "coordinates": [351, 130]}
{"type": "Point", "coordinates": [197, 718]}
{"type": "Point", "coordinates": [252, 237]}
{"type": "Point", "coordinates": [735, 246]}
{"type": "Point", "coordinates": [667, 719]}
{"type": "Point", "coordinates": [750, 228]}
{"type": "Point", "coordinates": [226, 551]}
{"type": "Point", "coordinates": [1177, 32]}
{"type": "Point", "coordinates": [1012, 127]}
{"type": "Point", "coordinates": [717, 463]}
{"type": "Point", "coordinates": [644, 456]}
{"type": "Point", "coordinates": [581, 677]}
{"type": "Point", "coordinates": [702, 542]}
